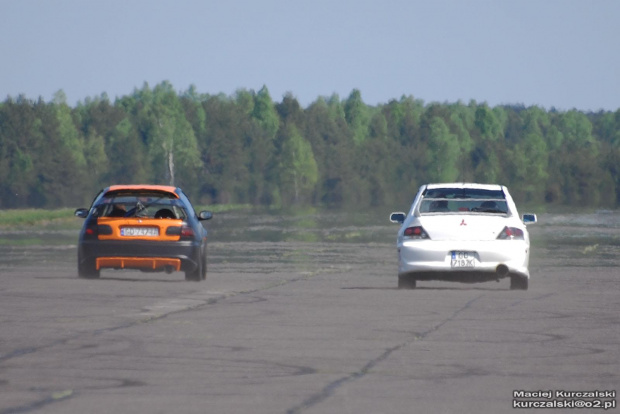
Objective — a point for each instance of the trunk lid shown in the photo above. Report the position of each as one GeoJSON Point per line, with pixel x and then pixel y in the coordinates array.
{"type": "Point", "coordinates": [463, 227]}
{"type": "Point", "coordinates": [136, 228]}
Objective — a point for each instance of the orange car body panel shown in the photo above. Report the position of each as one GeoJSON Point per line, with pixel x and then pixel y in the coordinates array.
{"type": "Point", "coordinates": [152, 263]}
{"type": "Point", "coordinates": [117, 223]}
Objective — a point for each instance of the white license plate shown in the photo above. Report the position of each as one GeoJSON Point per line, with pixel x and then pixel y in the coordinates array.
{"type": "Point", "coordinates": [463, 259]}
{"type": "Point", "coordinates": [139, 231]}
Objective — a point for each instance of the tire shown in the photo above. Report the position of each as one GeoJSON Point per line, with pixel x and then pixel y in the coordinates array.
{"type": "Point", "coordinates": [87, 269]}
{"type": "Point", "coordinates": [195, 275]}
{"type": "Point", "coordinates": [518, 282]}
{"type": "Point", "coordinates": [406, 282]}
{"type": "Point", "coordinates": [204, 264]}
{"type": "Point", "coordinates": [200, 272]}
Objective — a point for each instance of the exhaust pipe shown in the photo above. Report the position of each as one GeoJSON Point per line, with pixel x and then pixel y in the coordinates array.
{"type": "Point", "coordinates": [169, 269]}
{"type": "Point", "coordinates": [501, 270]}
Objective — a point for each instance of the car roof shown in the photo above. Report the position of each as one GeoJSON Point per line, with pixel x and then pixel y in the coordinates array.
{"type": "Point", "coordinates": [143, 187]}
{"type": "Point", "coordinates": [465, 185]}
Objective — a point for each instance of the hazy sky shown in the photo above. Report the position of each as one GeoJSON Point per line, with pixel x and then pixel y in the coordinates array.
{"type": "Point", "coordinates": [551, 53]}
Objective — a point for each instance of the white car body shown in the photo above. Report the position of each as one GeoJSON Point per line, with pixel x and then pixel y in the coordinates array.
{"type": "Point", "coordinates": [463, 232]}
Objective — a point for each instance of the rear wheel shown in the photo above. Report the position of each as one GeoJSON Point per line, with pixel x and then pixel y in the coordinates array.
{"type": "Point", "coordinates": [200, 272]}
{"type": "Point", "coordinates": [406, 282]}
{"type": "Point", "coordinates": [87, 269]}
{"type": "Point", "coordinates": [194, 275]}
{"type": "Point", "coordinates": [204, 264]}
{"type": "Point", "coordinates": [518, 282]}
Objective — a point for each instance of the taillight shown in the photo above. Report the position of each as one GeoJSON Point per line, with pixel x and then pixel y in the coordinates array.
{"type": "Point", "coordinates": [416, 232]}
{"type": "Point", "coordinates": [92, 231]}
{"type": "Point", "coordinates": [511, 233]}
{"type": "Point", "coordinates": [185, 232]}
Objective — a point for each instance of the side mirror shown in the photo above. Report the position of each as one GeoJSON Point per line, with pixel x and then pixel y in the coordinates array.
{"type": "Point", "coordinates": [398, 217]}
{"type": "Point", "coordinates": [529, 218]}
{"type": "Point", "coordinates": [81, 213]}
{"type": "Point", "coordinates": [205, 215]}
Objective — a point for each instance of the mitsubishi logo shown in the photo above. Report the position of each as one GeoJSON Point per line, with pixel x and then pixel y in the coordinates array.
{"type": "Point", "coordinates": [463, 223]}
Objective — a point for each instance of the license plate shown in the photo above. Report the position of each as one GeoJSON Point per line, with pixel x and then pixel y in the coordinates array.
{"type": "Point", "coordinates": [139, 231]}
{"type": "Point", "coordinates": [463, 259]}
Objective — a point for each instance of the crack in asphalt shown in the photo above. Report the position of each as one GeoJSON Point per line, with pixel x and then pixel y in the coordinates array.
{"type": "Point", "coordinates": [211, 301]}
{"type": "Point", "coordinates": [313, 400]}
{"type": "Point", "coordinates": [333, 386]}
{"type": "Point", "coordinates": [61, 396]}
{"type": "Point", "coordinates": [56, 397]}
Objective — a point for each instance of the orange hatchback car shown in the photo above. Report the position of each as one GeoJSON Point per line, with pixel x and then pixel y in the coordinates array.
{"type": "Point", "coordinates": [146, 227]}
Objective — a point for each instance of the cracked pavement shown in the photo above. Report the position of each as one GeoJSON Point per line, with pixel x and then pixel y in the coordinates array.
{"type": "Point", "coordinates": [301, 327]}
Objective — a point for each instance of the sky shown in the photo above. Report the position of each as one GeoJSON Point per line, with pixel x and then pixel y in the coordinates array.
{"type": "Point", "coordinates": [562, 54]}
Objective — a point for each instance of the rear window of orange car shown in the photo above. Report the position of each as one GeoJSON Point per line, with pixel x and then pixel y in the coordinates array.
{"type": "Point", "coordinates": [147, 204]}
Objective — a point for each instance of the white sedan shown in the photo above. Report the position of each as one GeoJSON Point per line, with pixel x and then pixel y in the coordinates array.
{"type": "Point", "coordinates": [463, 232]}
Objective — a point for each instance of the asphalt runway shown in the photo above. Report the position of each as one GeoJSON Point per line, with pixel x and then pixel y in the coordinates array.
{"type": "Point", "coordinates": [294, 327]}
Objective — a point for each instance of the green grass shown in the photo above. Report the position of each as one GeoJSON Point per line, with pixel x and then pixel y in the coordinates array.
{"type": "Point", "coordinates": [13, 241]}
{"type": "Point", "coordinates": [221, 208]}
{"type": "Point", "coordinates": [61, 218]}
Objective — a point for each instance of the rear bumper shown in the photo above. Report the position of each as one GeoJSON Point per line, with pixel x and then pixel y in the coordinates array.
{"type": "Point", "coordinates": [433, 259]}
{"type": "Point", "coordinates": [144, 263]}
{"type": "Point", "coordinates": [143, 255]}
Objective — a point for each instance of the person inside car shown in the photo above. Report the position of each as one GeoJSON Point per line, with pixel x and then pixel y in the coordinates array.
{"type": "Point", "coordinates": [118, 210]}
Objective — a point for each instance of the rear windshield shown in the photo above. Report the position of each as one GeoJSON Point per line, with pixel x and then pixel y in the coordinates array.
{"type": "Point", "coordinates": [147, 205]}
{"type": "Point", "coordinates": [459, 200]}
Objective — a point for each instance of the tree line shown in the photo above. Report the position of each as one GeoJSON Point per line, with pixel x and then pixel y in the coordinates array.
{"type": "Point", "coordinates": [247, 149]}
